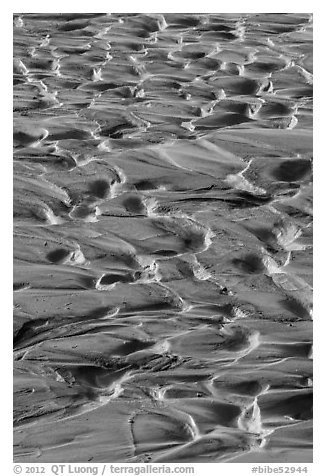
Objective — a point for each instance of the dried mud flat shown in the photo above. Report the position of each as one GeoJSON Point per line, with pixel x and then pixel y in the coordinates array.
{"type": "Point", "coordinates": [162, 237]}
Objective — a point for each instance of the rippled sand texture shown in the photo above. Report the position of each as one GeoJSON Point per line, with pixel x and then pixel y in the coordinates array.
{"type": "Point", "coordinates": [163, 237]}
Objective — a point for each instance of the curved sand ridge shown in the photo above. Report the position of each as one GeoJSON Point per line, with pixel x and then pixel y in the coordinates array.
{"type": "Point", "coordinates": [162, 237]}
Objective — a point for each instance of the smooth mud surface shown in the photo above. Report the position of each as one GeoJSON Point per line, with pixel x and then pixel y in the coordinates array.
{"type": "Point", "coordinates": [163, 237]}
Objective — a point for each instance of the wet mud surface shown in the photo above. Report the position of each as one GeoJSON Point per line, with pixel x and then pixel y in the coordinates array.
{"type": "Point", "coordinates": [162, 237]}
